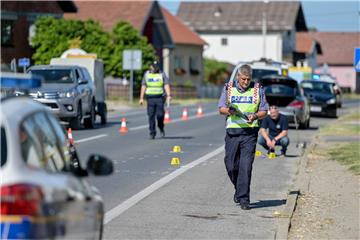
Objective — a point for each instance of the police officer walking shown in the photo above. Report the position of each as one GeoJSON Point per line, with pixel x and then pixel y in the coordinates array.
{"type": "Point", "coordinates": [155, 85]}
{"type": "Point", "coordinates": [243, 103]}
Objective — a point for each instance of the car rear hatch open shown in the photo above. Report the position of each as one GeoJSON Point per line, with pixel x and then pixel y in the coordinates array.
{"type": "Point", "coordinates": [279, 91]}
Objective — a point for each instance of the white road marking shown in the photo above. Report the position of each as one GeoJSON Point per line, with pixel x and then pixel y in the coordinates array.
{"type": "Point", "coordinates": [122, 207]}
{"type": "Point", "coordinates": [91, 138]}
{"type": "Point", "coordinates": [142, 127]}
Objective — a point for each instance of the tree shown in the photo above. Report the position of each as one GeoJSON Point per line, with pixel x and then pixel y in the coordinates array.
{"type": "Point", "coordinates": [125, 36]}
{"type": "Point", "coordinates": [52, 37]}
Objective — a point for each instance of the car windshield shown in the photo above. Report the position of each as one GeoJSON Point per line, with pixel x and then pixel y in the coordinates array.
{"type": "Point", "coordinates": [317, 87]}
{"type": "Point", "coordinates": [54, 75]}
{"type": "Point", "coordinates": [259, 73]}
{"type": "Point", "coordinates": [279, 89]}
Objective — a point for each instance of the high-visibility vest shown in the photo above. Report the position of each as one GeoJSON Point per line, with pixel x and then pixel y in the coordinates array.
{"type": "Point", "coordinates": [246, 102]}
{"type": "Point", "coordinates": [154, 84]}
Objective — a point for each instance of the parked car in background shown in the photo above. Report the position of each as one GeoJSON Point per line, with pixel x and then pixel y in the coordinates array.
{"type": "Point", "coordinates": [68, 91]}
{"type": "Point", "coordinates": [335, 86]}
{"type": "Point", "coordinates": [264, 67]}
{"type": "Point", "coordinates": [322, 97]}
{"type": "Point", "coordinates": [285, 93]}
{"type": "Point", "coordinates": [43, 190]}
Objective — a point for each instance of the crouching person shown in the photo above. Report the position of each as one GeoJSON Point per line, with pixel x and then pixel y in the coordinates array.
{"type": "Point", "coordinates": [277, 125]}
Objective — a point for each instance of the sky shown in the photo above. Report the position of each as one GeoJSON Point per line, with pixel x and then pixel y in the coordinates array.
{"type": "Point", "coordinates": [325, 16]}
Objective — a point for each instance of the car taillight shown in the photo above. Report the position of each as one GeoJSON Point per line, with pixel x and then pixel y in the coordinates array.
{"type": "Point", "coordinates": [21, 199]}
{"type": "Point", "coordinates": [297, 104]}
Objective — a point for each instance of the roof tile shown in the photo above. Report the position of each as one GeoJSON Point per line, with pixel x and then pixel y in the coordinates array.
{"type": "Point", "coordinates": [247, 14]}
{"type": "Point", "coordinates": [180, 33]}
{"type": "Point", "coordinates": [108, 13]}
{"type": "Point", "coordinates": [337, 47]}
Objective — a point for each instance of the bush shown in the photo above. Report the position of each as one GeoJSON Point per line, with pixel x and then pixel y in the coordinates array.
{"type": "Point", "coordinates": [216, 72]}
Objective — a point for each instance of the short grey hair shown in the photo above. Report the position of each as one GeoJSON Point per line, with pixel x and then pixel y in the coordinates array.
{"type": "Point", "coordinates": [245, 70]}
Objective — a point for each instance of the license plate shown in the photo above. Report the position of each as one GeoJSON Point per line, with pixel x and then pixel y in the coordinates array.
{"type": "Point", "coordinates": [315, 109]}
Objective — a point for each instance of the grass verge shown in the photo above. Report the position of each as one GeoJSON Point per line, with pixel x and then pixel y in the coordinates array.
{"type": "Point", "coordinates": [347, 154]}
{"type": "Point", "coordinates": [347, 125]}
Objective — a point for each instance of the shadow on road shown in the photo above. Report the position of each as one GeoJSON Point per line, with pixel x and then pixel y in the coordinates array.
{"type": "Point", "coordinates": [268, 203]}
{"type": "Point", "coordinates": [310, 128]}
{"type": "Point", "coordinates": [179, 137]}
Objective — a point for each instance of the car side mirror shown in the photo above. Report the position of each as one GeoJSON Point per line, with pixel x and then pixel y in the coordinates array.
{"type": "Point", "coordinates": [82, 81]}
{"type": "Point", "coordinates": [99, 165]}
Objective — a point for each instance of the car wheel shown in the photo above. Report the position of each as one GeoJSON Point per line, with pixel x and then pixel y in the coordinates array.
{"type": "Point", "coordinates": [102, 112]}
{"type": "Point", "coordinates": [90, 121]}
{"type": "Point", "coordinates": [308, 123]}
{"type": "Point", "coordinates": [333, 114]}
{"type": "Point", "coordinates": [75, 123]}
{"type": "Point", "coordinates": [101, 230]}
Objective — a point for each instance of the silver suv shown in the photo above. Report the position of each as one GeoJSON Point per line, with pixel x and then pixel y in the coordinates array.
{"type": "Point", "coordinates": [68, 91]}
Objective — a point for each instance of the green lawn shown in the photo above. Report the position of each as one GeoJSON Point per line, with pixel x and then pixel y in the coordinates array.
{"type": "Point", "coordinates": [347, 154]}
{"type": "Point", "coordinates": [347, 125]}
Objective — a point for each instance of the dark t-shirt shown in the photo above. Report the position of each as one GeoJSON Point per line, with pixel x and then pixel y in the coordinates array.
{"type": "Point", "coordinates": [275, 126]}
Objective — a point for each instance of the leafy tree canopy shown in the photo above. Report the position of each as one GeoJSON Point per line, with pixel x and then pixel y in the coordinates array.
{"type": "Point", "coordinates": [53, 36]}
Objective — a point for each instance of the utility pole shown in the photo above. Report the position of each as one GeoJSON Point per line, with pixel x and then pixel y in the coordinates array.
{"type": "Point", "coordinates": [264, 27]}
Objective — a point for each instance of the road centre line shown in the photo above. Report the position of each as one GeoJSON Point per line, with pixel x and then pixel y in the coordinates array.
{"type": "Point", "coordinates": [130, 202]}
{"type": "Point", "coordinates": [174, 121]}
{"type": "Point", "coordinates": [91, 138]}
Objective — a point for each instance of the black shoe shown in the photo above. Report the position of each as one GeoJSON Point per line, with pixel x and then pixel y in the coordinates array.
{"type": "Point", "coordinates": [245, 206]}
{"type": "Point", "coordinates": [236, 200]}
{"type": "Point", "coordinates": [162, 132]}
{"type": "Point", "coordinates": [152, 137]}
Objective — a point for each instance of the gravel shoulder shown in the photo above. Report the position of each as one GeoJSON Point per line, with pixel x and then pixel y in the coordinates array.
{"type": "Point", "coordinates": [328, 206]}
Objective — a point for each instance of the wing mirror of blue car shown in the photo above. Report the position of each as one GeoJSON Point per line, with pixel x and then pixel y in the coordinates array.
{"type": "Point", "coordinates": [99, 165]}
{"type": "Point", "coordinates": [82, 81]}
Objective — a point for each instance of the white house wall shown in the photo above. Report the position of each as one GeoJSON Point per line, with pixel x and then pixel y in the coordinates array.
{"type": "Point", "coordinates": [242, 47]}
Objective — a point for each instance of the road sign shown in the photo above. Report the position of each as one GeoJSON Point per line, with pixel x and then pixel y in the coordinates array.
{"type": "Point", "coordinates": [357, 59]}
{"type": "Point", "coordinates": [132, 59]}
{"type": "Point", "coordinates": [24, 62]}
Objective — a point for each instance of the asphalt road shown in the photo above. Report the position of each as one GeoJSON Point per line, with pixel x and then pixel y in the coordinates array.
{"type": "Point", "coordinates": [147, 198]}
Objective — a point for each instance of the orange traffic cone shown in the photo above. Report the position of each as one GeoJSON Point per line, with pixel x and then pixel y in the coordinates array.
{"type": "Point", "coordinates": [70, 137]}
{"type": "Point", "coordinates": [185, 115]}
{"type": "Point", "coordinates": [167, 118]}
{"type": "Point", "coordinates": [123, 128]}
{"type": "Point", "coordinates": [199, 112]}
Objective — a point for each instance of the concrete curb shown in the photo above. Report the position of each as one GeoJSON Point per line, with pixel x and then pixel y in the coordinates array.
{"type": "Point", "coordinates": [301, 183]}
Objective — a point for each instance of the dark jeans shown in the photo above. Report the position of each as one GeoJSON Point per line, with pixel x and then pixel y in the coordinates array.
{"type": "Point", "coordinates": [155, 108]}
{"type": "Point", "coordinates": [239, 158]}
{"type": "Point", "coordinates": [283, 142]}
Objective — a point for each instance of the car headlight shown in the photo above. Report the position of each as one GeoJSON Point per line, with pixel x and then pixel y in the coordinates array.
{"type": "Point", "coordinates": [67, 94]}
{"type": "Point", "coordinates": [331, 101]}
{"type": "Point", "coordinates": [19, 93]}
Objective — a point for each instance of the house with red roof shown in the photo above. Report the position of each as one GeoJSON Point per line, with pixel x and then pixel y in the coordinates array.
{"type": "Point", "coordinates": [183, 63]}
{"type": "Point", "coordinates": [17, 25]}
{"type": "Point", "coordinates": [337, 57]}
{"type": "Point", "coordinates": [179, 49]}
{"type": "Point", "coordinates": [307, 50]}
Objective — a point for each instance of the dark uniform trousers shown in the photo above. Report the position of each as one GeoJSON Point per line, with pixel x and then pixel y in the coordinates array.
{"type": "Point", "coordinates": [155, 108]}
{"type": "Point", "coordinates": [239, 158]}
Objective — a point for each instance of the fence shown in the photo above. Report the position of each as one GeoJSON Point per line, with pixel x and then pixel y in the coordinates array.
{"type": "Point", "coordinates": [115, 89]}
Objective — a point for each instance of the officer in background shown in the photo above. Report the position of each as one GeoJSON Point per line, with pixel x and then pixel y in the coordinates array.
{"type": "Point", "coordinates": [278, 131]}
{"type": "Point", "coordinates": [242, 104]}
{"type": "Point", "coordinates": [155, 85]}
